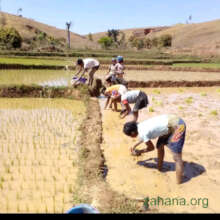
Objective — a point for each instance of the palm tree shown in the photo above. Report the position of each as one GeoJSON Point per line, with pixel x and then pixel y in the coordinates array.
{"type": "Point", "coordinates": [68, 26]}
{"type": "Point", "coordinates": [19, 11]}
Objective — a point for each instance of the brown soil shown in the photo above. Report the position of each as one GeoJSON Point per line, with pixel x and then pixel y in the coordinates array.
{"type": "Point", "coordinates": [138, 178]}
{"type": "Point", "coordinates": [92, 188]}
{"type": "Point", "coordinates": [41, 92]}
{"type": "Point", "coordinates": [157, 84]}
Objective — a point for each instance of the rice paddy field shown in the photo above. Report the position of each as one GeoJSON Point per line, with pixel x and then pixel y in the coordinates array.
{"type": "Point", "coordinates": [37, 77]}
{"type": "Point", "coordinates": [152, 75]}
{"type": "Point", "coordinates": [38, 150]}
{"type": "Point", "coordinates": [63, 77]}
{"type": "Point", "coordinates": [138, 177]}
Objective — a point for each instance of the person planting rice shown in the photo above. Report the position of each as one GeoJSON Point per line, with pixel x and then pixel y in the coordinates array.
{"type": "Point", "coordinates": [169, 129]}
{"type": "Point", "coordinates": [137, 97]}
{"type": "Point", "coordinates": [85, 65]}
{"type": "Point", "coordinates": [113, 94]}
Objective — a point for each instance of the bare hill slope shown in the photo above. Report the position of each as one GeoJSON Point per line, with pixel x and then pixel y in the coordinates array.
{"type": "Point", "coordinates": [28, 27]}
{"type": "Point", "coordinates": [196, 36]}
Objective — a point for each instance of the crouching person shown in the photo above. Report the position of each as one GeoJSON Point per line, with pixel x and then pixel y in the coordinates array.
{"type": "Point", "coordinates": [136, 97]}
{"type": "Point", "coordinates": [169, 129]}
{"type": "Point", "coordinates": [113, 94]}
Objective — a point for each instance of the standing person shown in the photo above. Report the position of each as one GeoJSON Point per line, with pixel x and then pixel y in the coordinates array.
{"type": "Point", "coordinates": [134, 96]}
{"type": "Point", "coordinates": [85, 65]}
{"type": "Point", "coordinates": [169, 129]}
{"type": "Point", "coordinates": [112, 69]}
{"type": "Point", "coordinates": [112, 77]}
{"type": "Point", "coordinates": [120, 67]}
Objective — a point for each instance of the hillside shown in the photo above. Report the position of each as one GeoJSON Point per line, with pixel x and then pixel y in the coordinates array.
{"type": "Point", "coordinates": [28, 27]}
{"type": "Point", "coordinates": [203, 37]}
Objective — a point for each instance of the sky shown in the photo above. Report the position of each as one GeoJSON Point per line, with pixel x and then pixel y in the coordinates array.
{"type": "Point", "coordinates": [92, 16]}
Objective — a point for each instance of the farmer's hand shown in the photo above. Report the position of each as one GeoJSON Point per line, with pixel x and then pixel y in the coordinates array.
{"type": "Point", "coordinates": [136, 152]}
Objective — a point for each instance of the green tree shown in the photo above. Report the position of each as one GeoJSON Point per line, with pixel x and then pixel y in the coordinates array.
{"type": "Point", "coordinates": [105, 42]}
{"type": "Point", "coordinates": [90, 37]}
{"type": "Point", "coordinates": [10, 38]}
{"type": "Point", "coordinates": [113, 34]}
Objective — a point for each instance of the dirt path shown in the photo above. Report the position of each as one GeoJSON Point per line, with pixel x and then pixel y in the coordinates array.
{"type": "Point", "coordinates": [137, 178]}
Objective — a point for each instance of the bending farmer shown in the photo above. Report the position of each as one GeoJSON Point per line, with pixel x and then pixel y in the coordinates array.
{"type": "Point", "coordinates": [134, 96]}
{"type": "Point", "coordinates": [85, 65]}
{"type": "Point", "coordinates": [169, 129]}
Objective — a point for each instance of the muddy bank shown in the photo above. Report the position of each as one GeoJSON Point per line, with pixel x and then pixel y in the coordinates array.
{"type": "Point", "coordinates": [170, 83]}
{"type": "Point", "coordinates": [92, 188]}
{"type": "Point", "coordinates": [80, 92]}
{"type": "Point", "coordinates": [105, 66]}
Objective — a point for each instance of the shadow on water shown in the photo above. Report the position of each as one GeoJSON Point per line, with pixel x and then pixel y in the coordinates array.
{"type": "Point", "coordinates": [191, 169]}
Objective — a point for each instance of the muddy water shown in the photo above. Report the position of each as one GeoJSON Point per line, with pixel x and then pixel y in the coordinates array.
{"type": "Point", "coordinates": [138, 178]}
{"type": "Point", "coordinates": [38, 165]}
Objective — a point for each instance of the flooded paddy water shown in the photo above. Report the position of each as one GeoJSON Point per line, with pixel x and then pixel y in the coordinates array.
{"type": "Point", "coordinates": [38, 151]}
{"type": "Point", "coordinates": [138, 178]}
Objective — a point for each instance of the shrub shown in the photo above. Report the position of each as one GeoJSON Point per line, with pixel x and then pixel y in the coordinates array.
{"type": "Point", "coordinates": [148, 43]}
{"type": "Point", "coordinates": [165, 40]}
{"type": "Point", "coordinates": [105, 42]}
{"type": "Point", "coordinates": [10, 38]}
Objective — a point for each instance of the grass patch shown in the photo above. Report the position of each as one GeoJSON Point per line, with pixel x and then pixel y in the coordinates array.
{"type": "Point", "coordinates": [198, 65]}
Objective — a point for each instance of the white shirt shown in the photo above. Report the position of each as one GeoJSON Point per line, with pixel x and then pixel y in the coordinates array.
{"type": "Point", "coordinates": [122, 90]}
{"type": "Point", "coordinates": [153, 128]}
{"type": "Point", "coordinates": [112, 69]}
{"type": "Point", "coordinates": [130, 96]}
{"type": "Point", "coordinates": [119, 68]}
{"type": "Point", "coordinates": [90, 63]}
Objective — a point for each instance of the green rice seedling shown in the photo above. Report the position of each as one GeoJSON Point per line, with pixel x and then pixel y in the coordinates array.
{"type": "Point", "coordinates": [153, 99]}
{"type": "Point", "coordinates": [181, 90]}
{"type": "Point", "coordinates": [2, 179]}
{"type": "Point", "coordinates": [159, 103]}
{"type": "Point", "coordinates": [218, 90]}
{"type": "Point", "coordinates": [1, 186]}
{"type": "Point", "coordinates": [156, 91]}
{"type": "Point", "coordinates": [189, 100]}
{"type": "Point", "coordinates": [203, 94]}
{"type": "Point", "coordinates": [200, 114]}
{"type": "Point", "coordinates": [151, 109]}
{"type": "Point", "coordinates": [214, 113]}
{"type": "Point", "coordinates": [180, 107]}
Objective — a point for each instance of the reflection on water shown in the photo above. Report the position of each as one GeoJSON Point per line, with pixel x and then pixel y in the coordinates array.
{"type": "Point", "coordinates": [55, 83]}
